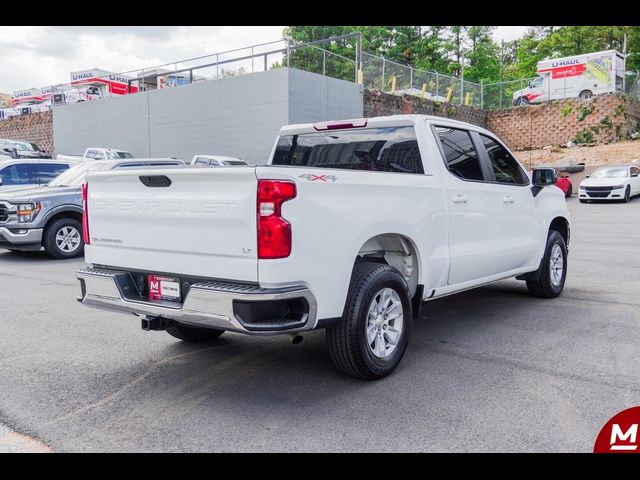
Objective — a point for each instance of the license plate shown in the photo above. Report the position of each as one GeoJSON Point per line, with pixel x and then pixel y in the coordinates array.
{"type": "Point", "coordinates": [164, 288]}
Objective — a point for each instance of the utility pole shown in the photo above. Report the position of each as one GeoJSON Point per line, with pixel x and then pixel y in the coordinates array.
{"type": "Point", "coordinates": [462, 80]}
{"type": "Point", "coordinates": [624, 44]}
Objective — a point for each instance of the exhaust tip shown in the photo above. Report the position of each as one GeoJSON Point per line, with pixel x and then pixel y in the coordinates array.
{"type": "Point", "coordinates": [295, 338]}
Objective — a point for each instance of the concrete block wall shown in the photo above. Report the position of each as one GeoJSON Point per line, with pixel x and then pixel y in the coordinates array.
{"type": "Point", "coordinates": [36, 128]}
{"type": "Point", "coordinates": [379, 104]}
{"type": "Point", "coordinates": [601, 119]}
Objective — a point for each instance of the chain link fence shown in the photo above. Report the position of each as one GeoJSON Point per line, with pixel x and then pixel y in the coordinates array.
{"type": "Point", "coordinates": [392, 77]}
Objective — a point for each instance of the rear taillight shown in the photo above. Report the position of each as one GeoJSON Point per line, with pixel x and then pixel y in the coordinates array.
{"type": "Point", "coordinates": [85, 214]}
{"type": "Point", "coordinates": [274, 232]}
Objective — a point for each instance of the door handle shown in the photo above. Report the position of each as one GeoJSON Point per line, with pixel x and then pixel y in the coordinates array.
{"type": "Point", "coordinates": [508, 199]}
{"type": "Point", "coordinates": [459, 199]}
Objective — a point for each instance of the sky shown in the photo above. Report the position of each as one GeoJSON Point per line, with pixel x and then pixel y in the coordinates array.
{"type": "Point", "coordinates": [39, 56]}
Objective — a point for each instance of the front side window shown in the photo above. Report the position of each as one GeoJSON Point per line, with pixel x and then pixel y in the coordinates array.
{"type": "Point", "coordinates": [635, 171]}
{"type": "Point", "coordinates": [48, 171]}
{"type": "Point", "coordinates": [536, 83]}
{"type": "Point", "coordinates": [460, 155]}
{"type": "Point", "coordinates": [20, 174]}
{"type": "Point", "coordinates": [388, 149]}
{"type": "Point", "coordinates": [505, 167]}
{"type": "Point", "coordinates": [91, 154]}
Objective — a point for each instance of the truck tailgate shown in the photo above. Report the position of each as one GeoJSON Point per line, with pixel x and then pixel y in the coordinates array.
{"type": "Point", "coordinates": [202, 224]}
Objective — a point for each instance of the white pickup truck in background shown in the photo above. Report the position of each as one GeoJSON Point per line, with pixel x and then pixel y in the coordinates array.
{"type": "Point", "coordinates": [98, 153]}
{"type": "Point", "coordinates": [350, 227]}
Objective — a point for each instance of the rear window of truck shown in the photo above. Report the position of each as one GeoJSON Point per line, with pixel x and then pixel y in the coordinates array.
{"type": "Point", "coordinates": [389, 149]}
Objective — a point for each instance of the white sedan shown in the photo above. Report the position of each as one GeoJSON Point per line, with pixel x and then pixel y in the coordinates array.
{"type": "Point", "coordinates": [611, 183]}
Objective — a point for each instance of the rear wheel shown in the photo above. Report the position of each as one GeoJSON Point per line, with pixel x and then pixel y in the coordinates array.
{"type": "Point", "coordinates": [553, 269]}
{"type": "Point", "coordinates": [627, 194]}
{"type": "Point", "coordinates": [62, 239]}
{"type": "Point", "coordinates": [585, 94]}
{"type": "Point", "coordinates": [372, 336]}
{"type": "Point", "coordinates": [193, 334]}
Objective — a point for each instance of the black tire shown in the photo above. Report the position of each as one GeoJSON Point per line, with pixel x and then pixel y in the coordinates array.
{"type": "Point", "coordinates": [586, 94]}
{"type": "Point", "coordinates": [570, 191]}
{"type": "Point", "coordinates": [545, 287]}
{"type": "Point", "coordinates": [347, 340]}
{"type": "Point", "coordinates": [193, 334]}
{"type": "Point", "coordinates": [52, 230]}
{"type": "Point", "coordinates": [627, 194]}
{"type": "Point", "coordinates": [521, 101]}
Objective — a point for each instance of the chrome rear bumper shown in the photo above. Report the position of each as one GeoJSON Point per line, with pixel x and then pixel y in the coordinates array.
{"type": "Point", "coordinates": [210, 304]}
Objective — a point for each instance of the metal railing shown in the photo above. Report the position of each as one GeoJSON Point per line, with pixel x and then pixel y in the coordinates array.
{"type": "Point", "coordinates": [261, 57]}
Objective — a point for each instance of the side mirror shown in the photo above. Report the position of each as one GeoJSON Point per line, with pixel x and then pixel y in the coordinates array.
{"type": "Point", "coordinates": [543, 177]}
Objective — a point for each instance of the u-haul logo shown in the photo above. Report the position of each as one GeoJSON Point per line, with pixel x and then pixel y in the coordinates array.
{"type": "Point", "coordinates": [82, 76]}
{"type": "Point", "coordinates": [563, 63]}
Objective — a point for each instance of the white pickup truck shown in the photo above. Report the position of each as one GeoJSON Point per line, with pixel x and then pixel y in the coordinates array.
{"type": "Point", "coordinates": [98, 153]}
{"type": "Point", "coordinates": [350, 227]}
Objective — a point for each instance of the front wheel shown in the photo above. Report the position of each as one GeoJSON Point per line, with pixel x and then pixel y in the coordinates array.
{"type": "Point", "coordinates": [521, 101]}
{"type": "Point", "coordinates": [62, 239]}
{"type": "Point", "coordinates": [586, 94]}
{"type": "Point", "coordinates": [627, 194]}
{"type": "Point", "coordinates": [553, 269]}
{"type": "Point", "coordinates": [373, 335]}
{"type": "Point", "coordinates": [193, 334]}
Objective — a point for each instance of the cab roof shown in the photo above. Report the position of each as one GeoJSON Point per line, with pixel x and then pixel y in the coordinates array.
{"type": "Point", "coordinates": [373, 122]}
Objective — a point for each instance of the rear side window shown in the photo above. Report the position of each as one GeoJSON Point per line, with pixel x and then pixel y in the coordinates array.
{"type": "Point", "coordinates": [389, 149]}
{"type": "Point", "coordinates": [49, 171]}
{"type": "Point", "coordinates": [460, 154]}
{"type": "Point", "coordinates": [202, 161]}
{"type": "Point", "coordinates": [91, 154]}
{"type": "Point", "coordinates": [18, 174]}
{"type": "Point", "coordinates": [505, 167]}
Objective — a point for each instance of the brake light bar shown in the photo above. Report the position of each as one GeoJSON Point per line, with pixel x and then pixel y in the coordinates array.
{"type": "Point", "coordinates": [339, 125]}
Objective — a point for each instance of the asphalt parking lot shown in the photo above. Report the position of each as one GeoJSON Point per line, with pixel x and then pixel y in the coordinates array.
{"type": "Point", "coordinates": [487, 370]}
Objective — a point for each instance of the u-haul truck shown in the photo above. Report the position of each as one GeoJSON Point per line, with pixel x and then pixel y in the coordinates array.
{"type": "Point", "coordinates": [576, 76]}
{"type": "Point", "coordinates": [94, 84]}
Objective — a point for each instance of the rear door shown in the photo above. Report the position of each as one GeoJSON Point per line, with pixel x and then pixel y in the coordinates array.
{"type": "Point", "coordinates": [520, 225]}
{"type": "Point", "coordinates": [47, 171]}
{"type": "Point", "coordinates": [475, 208]}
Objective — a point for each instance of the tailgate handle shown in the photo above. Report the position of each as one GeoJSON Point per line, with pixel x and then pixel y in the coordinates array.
{"type": "Point", "coordinates": [155, 180]}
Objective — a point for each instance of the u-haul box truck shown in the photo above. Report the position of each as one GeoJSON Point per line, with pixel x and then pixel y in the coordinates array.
{"type": "Point", "coordinates": [576, 76]}
{"type": "Point", "coordinates": [28, 96]}
{"type": "Point", "coordinates": [94, 84]}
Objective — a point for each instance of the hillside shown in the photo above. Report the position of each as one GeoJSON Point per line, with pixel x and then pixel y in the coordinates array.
{"type": "Point", "coordinates": [620, 152]}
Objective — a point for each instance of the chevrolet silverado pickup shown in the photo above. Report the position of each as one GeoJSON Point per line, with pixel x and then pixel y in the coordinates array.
{"type": "Point", "coordinates": [350, 226]}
